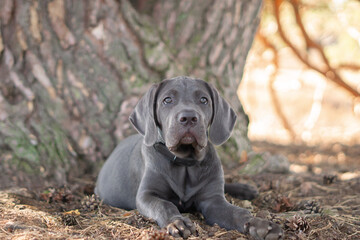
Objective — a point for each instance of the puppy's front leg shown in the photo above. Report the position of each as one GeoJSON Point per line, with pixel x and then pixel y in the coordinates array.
{"type": "Point", "coordinates": [217, 210]}
{"type": "Point", "coordinates": [150, 201]}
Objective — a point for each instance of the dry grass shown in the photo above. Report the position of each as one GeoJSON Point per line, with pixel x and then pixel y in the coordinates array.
{"type": "Point", "coordinates": [326, 206]}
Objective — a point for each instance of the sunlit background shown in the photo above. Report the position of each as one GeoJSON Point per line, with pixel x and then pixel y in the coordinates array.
{"type": "Point", "coordinates": [302, 78]}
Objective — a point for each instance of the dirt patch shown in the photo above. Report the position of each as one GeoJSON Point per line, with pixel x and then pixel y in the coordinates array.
{"type": "Point", "coordinates": [308, 204]}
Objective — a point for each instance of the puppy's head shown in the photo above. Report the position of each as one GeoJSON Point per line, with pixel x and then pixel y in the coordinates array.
{"type": "Point", "coordinates": [184, 109]}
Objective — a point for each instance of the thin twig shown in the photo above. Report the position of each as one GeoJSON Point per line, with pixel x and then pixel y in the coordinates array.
{"type": "Point", "coordinates": [329, 73]}
{"type": "Point", "coordinates": [273, 94]}
{"type": "Point", "coordinates": [349, 66]}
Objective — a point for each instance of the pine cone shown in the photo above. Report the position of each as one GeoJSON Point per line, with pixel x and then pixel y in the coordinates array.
{"type": "Point", "coordinates": [90, 203]}
{"type": "Point", "coordinates": [283, 204]}
{"type": "Point", "coordinates": [310, 206]}
{"type": "Point", "coordinates": [154, 234]}
{"type": "Point", "coordinates": [69, 220]}
{"type": "Point", "coordinates": [329, 179]}
{"type": "Point", "coordinates": [62, 194]}
{"type": "Point", "coordinates": [297, 223]}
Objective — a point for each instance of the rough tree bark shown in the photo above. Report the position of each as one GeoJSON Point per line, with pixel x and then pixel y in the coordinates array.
{"type": "Point", "coordinates": [71, 71]}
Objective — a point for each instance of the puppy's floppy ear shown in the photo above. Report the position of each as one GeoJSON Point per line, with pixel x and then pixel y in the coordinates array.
{"type": "Point", "coordinates": [223, 119]}
{"type": "Point", "coordinates": [142, 118]}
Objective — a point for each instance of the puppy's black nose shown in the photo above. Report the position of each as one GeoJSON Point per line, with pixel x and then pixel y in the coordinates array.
{"type": "Point", "coordinates": [188, 118]}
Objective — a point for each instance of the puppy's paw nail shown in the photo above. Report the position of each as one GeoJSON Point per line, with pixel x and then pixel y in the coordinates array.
{"type": "Point", "coordinates": [269, 228]}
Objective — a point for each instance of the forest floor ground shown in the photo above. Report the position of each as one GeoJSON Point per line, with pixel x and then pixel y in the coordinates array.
{"type": "Point", "coordinates": [319, 199]}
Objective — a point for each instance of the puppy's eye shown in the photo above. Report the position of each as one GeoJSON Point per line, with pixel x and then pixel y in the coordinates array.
{"type": "Point", "coordinates": [167, 100]}
{"type": "Point", "coordinates": [204, 100]}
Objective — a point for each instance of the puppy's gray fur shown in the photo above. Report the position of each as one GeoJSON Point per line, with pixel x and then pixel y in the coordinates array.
{"type": "Point", "coordinates": [188, 116]}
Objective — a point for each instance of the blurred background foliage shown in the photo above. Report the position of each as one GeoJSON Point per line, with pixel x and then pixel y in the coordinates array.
{"type": "Point", "coordinates": [302, 79]}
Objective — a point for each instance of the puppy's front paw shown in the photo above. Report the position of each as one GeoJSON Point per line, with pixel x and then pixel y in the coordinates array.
{"type": "Point", "coordinates": [262, 229]}
{"type": "Point", "coordinates": [181, 227]}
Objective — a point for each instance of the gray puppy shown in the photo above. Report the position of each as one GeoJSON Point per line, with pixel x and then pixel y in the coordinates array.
{"type": "Point", "coordinates": [172, 167]}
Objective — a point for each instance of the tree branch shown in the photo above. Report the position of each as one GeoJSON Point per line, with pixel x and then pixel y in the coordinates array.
{"type": "Point", "coordinates": [329, 73]}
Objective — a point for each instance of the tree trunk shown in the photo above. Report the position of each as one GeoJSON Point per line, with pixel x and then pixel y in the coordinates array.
{"type": "Point", "coordinates": [71, 72]}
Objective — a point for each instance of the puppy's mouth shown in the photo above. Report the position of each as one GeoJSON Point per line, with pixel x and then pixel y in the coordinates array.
{"type": "Point", "coordinates": [187, 146]}
{"type": "Point", "coordinates": [188, 139]}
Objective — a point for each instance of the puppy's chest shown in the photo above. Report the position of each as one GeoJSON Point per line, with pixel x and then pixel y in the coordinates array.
{"type": "Point", "coordinates": [185, 182]}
